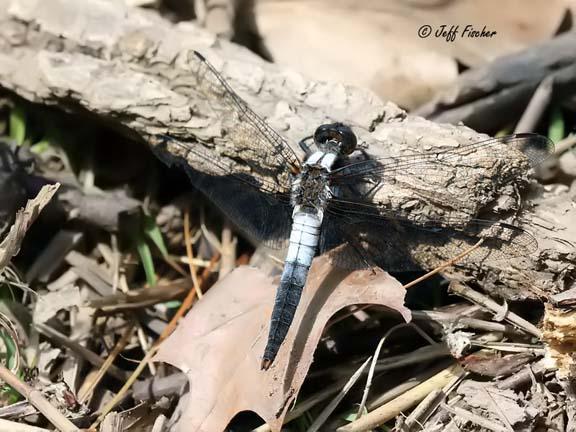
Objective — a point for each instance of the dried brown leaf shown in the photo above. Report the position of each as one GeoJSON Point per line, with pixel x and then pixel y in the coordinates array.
{"type": "Point", "coordinates": [220, 343]}
{"type": "Point", "coordinates": [24, 218]}
{"type": "Point", "coordinates": [495, 402]}
{"type": "Point", "coordinates": [492, 365]}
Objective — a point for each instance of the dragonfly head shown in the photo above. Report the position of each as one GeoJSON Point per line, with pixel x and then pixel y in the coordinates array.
{"type": "Point", "coordinates": [335, 135]}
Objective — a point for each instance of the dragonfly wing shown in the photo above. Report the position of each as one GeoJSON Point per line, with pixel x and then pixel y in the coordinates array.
{"type": "Point", "coordinates": [353, 243]}
{"type": "Point", "coordinates": [253, 205]}
{"type": "Point", "coordinates": [449, 186]}
{"type": "Point", "coordinates": [530, 148]}
{"type": "Point", "coordinates": [254, 191]}
{"type": "Point", "coordinates": [252, 139]}
{"type": "Point", "coordinates": [397, 244]}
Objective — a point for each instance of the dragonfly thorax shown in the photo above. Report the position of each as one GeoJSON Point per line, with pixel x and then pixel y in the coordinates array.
{"type": "Point", "coordinates": [311, 188]}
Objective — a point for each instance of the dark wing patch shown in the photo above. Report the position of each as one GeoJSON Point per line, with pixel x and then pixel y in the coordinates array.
{"type": "Point", "coordinates": [255, 207]}
{"type": "Point", "coordinates": [355, 240]}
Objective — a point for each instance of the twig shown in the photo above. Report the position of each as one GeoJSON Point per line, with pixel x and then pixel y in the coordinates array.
{"type": "Point", "coordinates": [429, 404]}
{"type": "Point", "coordinates": [187, 302]}
{"type": "Point", "coordinates": [372, 367]}
{"type": "Point", "coordinates": [408, 384]}
{"type": "Point", "coordinates": [458, 321]}
{"type": "Point", "coordinates": [468, 416]}
{"type": "Point", "coordinates": [90, 356]}
{"type": "Point", "coordinates": [17, 410]}
{"type": "Point", "coordinates": [511, 347]}
{"type": "Point", "coordinates": [197, 262]}
{"type": "Point", "coordinates": [377, 356]}
{"type": "Point", "coordinates": [475, 297]}
{"type": "Point", "coordinates": [190, 254]}
{"type": "Point", "coordinates": [422, 408]}
{"type": "Point", "coordinates": [445, 265]}
{"type": "Point", "coordinates": [565, 144]}
{"type": "Point", "coordinates": [118, 397]}
{"type": "Point", "coordinates": [209, 235]}
{"type": "Point", "coordinates": [168, 259]}
{"type": "Point", "coordinates": [425, 412]}
{"type": "Point", "coordinates": [323, 416]}
{"type": "Point", "coordinates": [228, 252]}
{"type": "Point", "coordinates": [35, 398]}
{"type": "Point", "coordinates": [498, 409]}
{"type": "Point", "coordinates": [536, 107]}
{"type": "Point", "coordinates": [418, 356]}
{"type": "Point", "coordinates": [82, 398]}
{"type": "Point", "coordinates": [115, 263]}
{"type": "Point", "coordinates": [6, 425]}
{"type": "Point", "coordinates": [145, 344]}
{"type": "Point", "coordinates": [138, 299]}
{"type": "Point", "coordinates": [403, 402]}
{"type": "Point", "coordinates": [523, 376]}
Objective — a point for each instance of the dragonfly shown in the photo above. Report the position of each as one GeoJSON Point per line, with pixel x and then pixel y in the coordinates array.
{"type": "Point", "coordinates": [328, 201]}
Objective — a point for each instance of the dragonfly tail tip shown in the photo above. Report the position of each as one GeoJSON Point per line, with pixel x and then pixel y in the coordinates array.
{"type": "Point", "coordinates": [265, 365]}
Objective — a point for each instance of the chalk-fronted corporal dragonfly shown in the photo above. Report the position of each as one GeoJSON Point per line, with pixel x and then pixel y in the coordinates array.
{"type": "Point", "coordinates": [328, 202]}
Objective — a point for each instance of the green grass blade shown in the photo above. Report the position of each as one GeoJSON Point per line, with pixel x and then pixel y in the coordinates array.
{"type": "Point", "coordinates": [557, 128]}
{"type": "Point", "coordinates": [153, 233]}
{"type": "Point", "coordinates": [147, 261]}
{"type": "Point", "coordinates": [17, 124]}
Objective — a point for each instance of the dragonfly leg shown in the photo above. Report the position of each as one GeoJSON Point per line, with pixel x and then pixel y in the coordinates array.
{"type": "Point", "coordinates": [305, 146]}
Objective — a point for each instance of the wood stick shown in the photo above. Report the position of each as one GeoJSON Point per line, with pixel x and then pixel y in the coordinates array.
{"type": "Point", "coordinates": [84, 352]}
{"type": "Point", "coordinates": [468, 416]}
{"type": "Point", "coordinates": [83, 397]}
{"type": "Point", "coordinates": [6, 425]}
{"type": "Point", "coordinates": [445, 265]}
{"type": "Point", "coordinates": [474, 296]}
{"type": "Point", "coordinates": [403, 402]}
{"type": "Point", "coordinates": [40, 402]}
{"type": "Point", "coordinates": [536, 107]}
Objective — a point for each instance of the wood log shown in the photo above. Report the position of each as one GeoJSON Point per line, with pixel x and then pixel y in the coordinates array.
{"type": "Point", "coordinates": [129, 68]}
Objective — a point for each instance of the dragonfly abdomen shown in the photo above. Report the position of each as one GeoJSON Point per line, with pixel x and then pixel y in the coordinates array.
{"type": "Point", "coordinates": [303, 244]}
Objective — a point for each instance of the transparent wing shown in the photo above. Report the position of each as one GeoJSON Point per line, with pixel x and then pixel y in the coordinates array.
{"type": "Point", "coordinates": [201, 158]}
{"type": "Point", "coordinates": [355, 241]}
{"type": "Point", "coordinates": [363, 245]}
{"type": "Point", "coordinates": [254, 206]}
{"type": "Point", "coordinates": [257, 200]}
{"type": "Point", "coordinates": [264, 148]}
{"type": "Point", "coordinates": [432, 182]}
{"type": "Point", "coordinates": [428, 166]}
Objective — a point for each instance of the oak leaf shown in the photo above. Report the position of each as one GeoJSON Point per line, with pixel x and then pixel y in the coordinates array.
{"type": "Point", "coordinates": [220, 342]}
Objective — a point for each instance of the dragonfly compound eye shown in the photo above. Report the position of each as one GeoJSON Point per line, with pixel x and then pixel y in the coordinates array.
{"type": "Point", "coordinates": [336, 133]}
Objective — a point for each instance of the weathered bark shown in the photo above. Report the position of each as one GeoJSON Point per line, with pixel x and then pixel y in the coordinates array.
{"type": "Point", "coordinates": [129, 68]}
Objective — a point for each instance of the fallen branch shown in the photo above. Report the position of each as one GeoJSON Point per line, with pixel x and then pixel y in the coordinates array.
{"type": "Point", "coordinates": [35, 398]}
{"type": "Point", "coordinates": [407, 400]}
